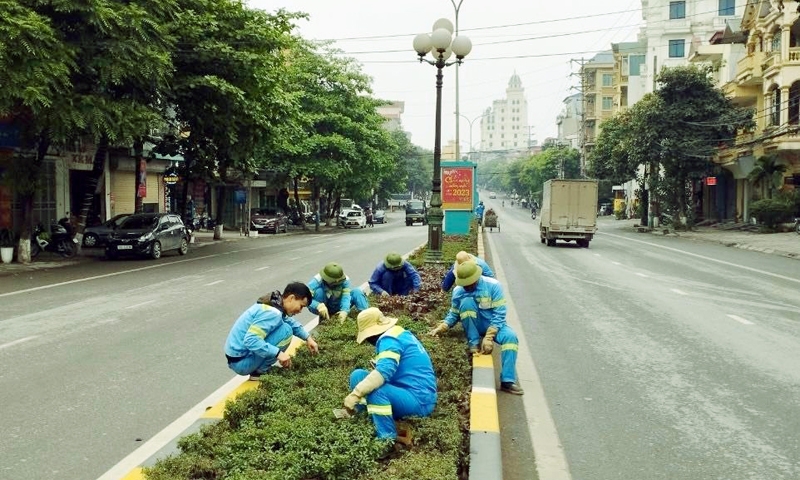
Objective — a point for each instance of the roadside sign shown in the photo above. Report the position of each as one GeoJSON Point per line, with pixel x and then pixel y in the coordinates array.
{"type": "Point", "coordinates": [711, 181]}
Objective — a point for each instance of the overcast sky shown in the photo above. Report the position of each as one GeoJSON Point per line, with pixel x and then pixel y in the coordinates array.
{"type": "Point", "coordinates": [543, 36]}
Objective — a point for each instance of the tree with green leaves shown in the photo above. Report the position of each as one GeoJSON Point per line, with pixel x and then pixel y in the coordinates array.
{"type": "Point", "coordinates": [768, 173]}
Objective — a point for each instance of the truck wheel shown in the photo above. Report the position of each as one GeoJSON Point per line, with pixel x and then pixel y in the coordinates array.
{"type": "Point", "coordinates": [551, 242]}
{"type": "Point", "coordinates": [408, 224]}
{"type": "Point", "coordinates": [582, 243]}
{"type": "Point", "coordinates": [541, 239]}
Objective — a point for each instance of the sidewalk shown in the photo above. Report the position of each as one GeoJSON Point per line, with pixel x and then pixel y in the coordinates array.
{"type": "Point", "coordinates": [784, 244]}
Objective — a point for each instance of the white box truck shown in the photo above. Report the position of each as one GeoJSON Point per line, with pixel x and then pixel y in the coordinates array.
{"type": "Point", "coordinates": [568, 211]}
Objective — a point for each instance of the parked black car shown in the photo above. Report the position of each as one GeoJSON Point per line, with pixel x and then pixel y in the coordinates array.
{"type": "Point", "coordinates": [97, 235]}
{"type": "Point", "coordinates": [149, 234]}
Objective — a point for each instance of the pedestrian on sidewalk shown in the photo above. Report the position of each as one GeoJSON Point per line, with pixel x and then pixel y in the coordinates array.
{"type": "Point", "coordinates": [261, 335]}
{"type": "Point", "coordinates": [402, 383]}
{"type": "Point", "coordinates": [370, 218]}
{"type": "Point", "coordinates": [394, 276]}
{"type": "Point", "coordinates": [461, 257]}
{"type": "Point", "coordinates": [332, 294]}
{"type": "Point", "coordinates": [479, 304]}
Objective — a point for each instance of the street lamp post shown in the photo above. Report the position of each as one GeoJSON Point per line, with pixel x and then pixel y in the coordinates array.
{"type": "Point", "coordinates": [457, 8]}
{"type": "Point", "coordinates": [470, 122]}
{"type": "Point", "coordinates": [441, 45]}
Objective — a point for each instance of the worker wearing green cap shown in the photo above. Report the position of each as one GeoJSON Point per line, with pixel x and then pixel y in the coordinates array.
{"type": "Point", "coordinates": [394, 276]}
{"type": "Point", "coordinates": [333, 295]}
{"type": "Point", "coordinates": [479, 304]}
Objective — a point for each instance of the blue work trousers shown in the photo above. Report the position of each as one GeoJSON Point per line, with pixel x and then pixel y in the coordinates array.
{"type": "Point", "coordinates": [475, 328]}
{"type": "Point", "coordinates": [357, 299]}
{"type": "Point", "coordinates": [388, 403]}
{"type": "Point", "coordinates": [252, 363]}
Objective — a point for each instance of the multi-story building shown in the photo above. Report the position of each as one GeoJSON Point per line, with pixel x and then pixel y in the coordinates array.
{"type": "Point", "coordinates": [629, 84]}
{"type": "Point", "coordinates": [391, 114]}
{"type": "Point", "coordinates": [504, 127]}
{"type": "Point", "coordinates": [597, 85]}
{"type": "Point", "coordinates": [569, 121]}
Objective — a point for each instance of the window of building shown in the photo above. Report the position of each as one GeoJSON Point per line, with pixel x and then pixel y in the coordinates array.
{"type": "Point", "coordinates": [515, 135]}
{"type": "Point", "coordinates": [608, 103]}
{"type": "Point", "coordinates": [502, 135]}
{"type": "Point", "coordinates": [608, 80]}
{"type": "Point", "coordinates": [776, 41]}
{"type": "Point", "coordinates": [515, 144]}
{"type": "Point", "coordinates": [676, 48]}
{"type": "Point", "coordinates": [635, 62]}
{"type": "Point", "coordinates": [677, 10]}
{"type": "Point", "coordinates": [727, 7]}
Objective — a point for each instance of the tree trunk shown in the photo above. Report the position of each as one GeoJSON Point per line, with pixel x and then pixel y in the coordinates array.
{"type": "Point", "coordinates": [91, 187]}
{"type": "Point", "coordinates": [220, 211]}
{"type": "Point", "coordinates": [297, 204]}
{"type": "Point", "coordinates": [138, 154]}
{"type": "Point", "coordinates": [315, 206]}
{"type": "Point", "coordinates": [24, 246]}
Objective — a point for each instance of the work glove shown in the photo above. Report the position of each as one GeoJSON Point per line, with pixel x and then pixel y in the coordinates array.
{"type": "Point", "coordinates": [351, 401]}
{"type": "Point", "coordinates": [442, 327]}
{"type": "Point", "coordinates": [341, 316]}
{"type": "Point", "coordinates": [384, 293]}
{"type": "Point", "coordinates": [323, 311]}
{"type": "Point", "coordinates": [488, 340]}
{"type": "Point", "coordinates": [370, 383]}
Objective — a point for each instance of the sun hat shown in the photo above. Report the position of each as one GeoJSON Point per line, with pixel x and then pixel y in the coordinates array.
{"type": "Point", "coordinates": [393, 261]}
{"type": "Point", "coordinates": [332, 273]}
{"type": "Point", "coordinates": [372, 322]}
{"type": "Point", "coordinates": [462, 257]}
{"type": "Point", "coordinates": [467, 273]}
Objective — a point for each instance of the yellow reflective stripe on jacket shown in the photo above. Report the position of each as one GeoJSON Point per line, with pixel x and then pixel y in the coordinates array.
{"type": "Point", "coordinates": [388, 354]}
{"type": "Point", "coordinates": [395, 331]}
{"type": "Point", "coordinates": [379, 409]}
{"type": "Point", "coordinates": [285, 342]}
{"type": "Point", "coordinates": [499, 303]}
{"type": "Point", "coordinates": [454, 310]}
{"type": "Point", "coordinates": [509, 346]}
{"type": "Point", "coordinates": [469, 314]}
{"type": "Point", "coordinates": [480, 300]}
{"type": "Point", "coordinates": [266, 306]}
{"type": "Point", "coordinates": [345, 290]}
{"type": "Point", "coordinates": [257, 331]}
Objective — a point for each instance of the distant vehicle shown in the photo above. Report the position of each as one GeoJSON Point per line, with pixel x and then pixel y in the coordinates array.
{"type": "Point", "coordinates": [606, 209]}
{"type": "Point", "coordinates": [97, 236]}
{"type": "Point", "coordinates": [379, 216]}
{"type": "Point", "coordinates": [352, 218]}
{"type": "Point", "coordinates": [416, 211]}
{"type": "Point", "coordinates": [492, 195]}
{"type": "Point", "coordinates": [148, 234]}
{"type": "Point", "coordinates": [268, 220]}
{"type": "Point", "coordinates": [568, 212]}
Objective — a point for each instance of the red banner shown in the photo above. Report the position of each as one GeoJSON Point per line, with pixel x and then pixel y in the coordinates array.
{"type": "Point", "coordinates": [142, 178]}
{"type": "Point", "coordinates": [457, 188]}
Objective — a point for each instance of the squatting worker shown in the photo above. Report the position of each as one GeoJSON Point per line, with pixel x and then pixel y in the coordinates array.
{"type": "Point", "coordinates": [403, 382]}
{"type": "Point", "coordinates": [394, 276]}
{"type": "Point", "coordinates": [479, 303]}
{"type": "Point", "coordinates": [332, 294]}
{"type": "Point", "coordinates": [261, 335]}
{"type": "Point", "coordinates": [461, 257]}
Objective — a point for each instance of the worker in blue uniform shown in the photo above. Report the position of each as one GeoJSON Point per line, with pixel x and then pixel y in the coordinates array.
{"type": "Point", "coordinates": [479, 304]}
{"type": "Point", "coordinates": [261, 335]}
{"type": "Point", "coordinates": [479, 213]}
{"type": "Point", "coordinates": [461, 257]}
{"type": "Point", "coordinates": [402, 383]}
{"type": "Point", "coordinates": [394, 276]}
{"type": "Point", "coordinates": [333, 295]}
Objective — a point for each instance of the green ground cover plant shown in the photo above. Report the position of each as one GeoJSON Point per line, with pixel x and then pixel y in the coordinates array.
{"type": "Point", "coordinates": [285, 429]}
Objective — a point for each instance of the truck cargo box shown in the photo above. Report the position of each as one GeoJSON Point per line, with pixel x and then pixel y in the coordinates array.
{"type": "Point", "coordinates": [568, 212]}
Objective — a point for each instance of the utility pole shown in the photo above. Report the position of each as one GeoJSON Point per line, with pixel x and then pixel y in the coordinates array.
{"type": "Point", "coordinates": [582, 134]}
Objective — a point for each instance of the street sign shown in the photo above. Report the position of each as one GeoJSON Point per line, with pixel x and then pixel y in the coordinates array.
{"type": "Point", "coordinates": [457, 186]}
{"type": "Point", "coordinates": [711, 181]}
{"type": "Point", "coordinates": [240, 196]}
{"type": "Point", "coordinates": [171, 179]}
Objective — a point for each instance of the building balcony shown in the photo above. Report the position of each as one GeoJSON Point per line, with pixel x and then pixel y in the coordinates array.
{"type": "Point", "coordinates": [771, 60]}
{"type": "Point", "coordinates": [749, 69]}
{"type": "Point", "coordinates": [790, 140]}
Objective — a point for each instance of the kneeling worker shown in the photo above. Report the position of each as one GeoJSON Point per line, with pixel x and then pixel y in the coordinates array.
{"type": "Point", "coordinates": [394, 276]}
{"type": "Point", "coordinates": [479, 303]}
{"type": "Point", "coordinates": [333, 295]}
{"type": "Point", "coordinates": [461, 257]}
{"type": "Point", "coordinates": [261, 335]}
{"type": "Point", "coordinates": [402, 384]}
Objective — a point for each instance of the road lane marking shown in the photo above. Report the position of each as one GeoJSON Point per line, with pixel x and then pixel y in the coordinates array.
{"type": "Point", "coordinates": [262, 268]}
{"type": "Point", "coordinates": [294, 258]}
{"type": "Point", "coordinates": [679, 292]}
{"type": "Point", "coordinates": [140, 304]}
{"type": "Point", "coordinates": [596, 254]}
{"type": "Point", "coordinates": [616, 263]}
{"type": "Point", "coordinates": [213, 283]}
{"type": "Point", "coordinates": [641, 274]}
{"type": "Point", "coordinates": [740, 319]}
{"type": "Point", "coordinates": [17, 342]}
{"type": "Point", "coordinates": [723, 262]}
{"type": "Point", "coordinates": [319, 251]}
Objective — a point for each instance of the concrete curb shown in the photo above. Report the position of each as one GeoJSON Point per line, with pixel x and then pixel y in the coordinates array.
{"type": "Point", "coordinates": [485, 455]}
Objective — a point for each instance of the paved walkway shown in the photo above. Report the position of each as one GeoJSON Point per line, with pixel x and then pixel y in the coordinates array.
{"type": "Point", "coordinates": [784, 244]}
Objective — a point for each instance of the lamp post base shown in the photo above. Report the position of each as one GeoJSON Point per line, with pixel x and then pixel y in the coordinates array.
{"type": "Point", "coordinates": [435, 221]}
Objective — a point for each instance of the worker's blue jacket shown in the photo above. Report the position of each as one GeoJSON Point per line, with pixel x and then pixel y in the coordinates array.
{"type": "Point", "coordinates": [488, 296]}
{"type": "Point", "coordinates": [450, 277]}
{"type": "Point", "coordinates": [479, 211]}
{"type": "Point", "coordinates": [335, 298]}
{"type": "Point", "coordinates": [264, 330]}
{"type": "Point", "coordinates": [395, 282]}
{"type": "Point", "coordinates": [403, 362]}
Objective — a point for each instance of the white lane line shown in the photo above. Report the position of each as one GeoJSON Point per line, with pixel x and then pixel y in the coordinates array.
{"type": "Point", "coordinates": [616, 263]}
{"type": "Point", "coordinates": [596, 254]}
{"type": "Point", "coordinates": [107, 275]}
{"type": "Point", "coordinates": [213, 283]}
{"type": "Point", "coordinates": [679, 292]}
{"type": "Point", "coordinates": [262, 268]}
{"type": "Point", "coordinates": [641, 274]}
{"type": "Point", "coordinates": [723, 262]}
{"type": "Point", "coordinates": [140, 304]}
{"type": "Point", "coordinates": [319, 251]}
{"type": "Point", "coordinates": [740, 319]}
{"type": "Point", "coordinates": [17, 342]}
{"type": "Point", "coordinates": [294, 258]}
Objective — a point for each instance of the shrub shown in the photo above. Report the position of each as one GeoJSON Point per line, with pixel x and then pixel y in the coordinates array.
{"type": "Point", "coordinates": [619, 212]}
{"type": "Point", "coordinates": [772, 211]}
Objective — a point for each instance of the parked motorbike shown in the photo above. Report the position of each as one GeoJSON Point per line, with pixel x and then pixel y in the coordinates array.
{"type": "Point", "coordinates": [533, 214]}
{"type": "Point", "coordinates": [60, 240]}
{"type": "Point", "coordinates": [797, 225]}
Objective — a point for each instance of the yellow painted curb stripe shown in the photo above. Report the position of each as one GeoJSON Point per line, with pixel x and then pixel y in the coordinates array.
{"type": "Point", "coordinates": [482, 361]}
{"type": "Point", "coordinates": [217, 410]}
{"type": "Point", "coordinates": [483, 412]}
{"type": "Point", "coordinates": [135, 474]}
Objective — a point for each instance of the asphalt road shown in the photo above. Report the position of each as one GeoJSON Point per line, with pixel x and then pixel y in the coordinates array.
{"type": "Point", "coordinates": [99, 357]}
{"type": "Point", "coordinates": [660, 358]}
